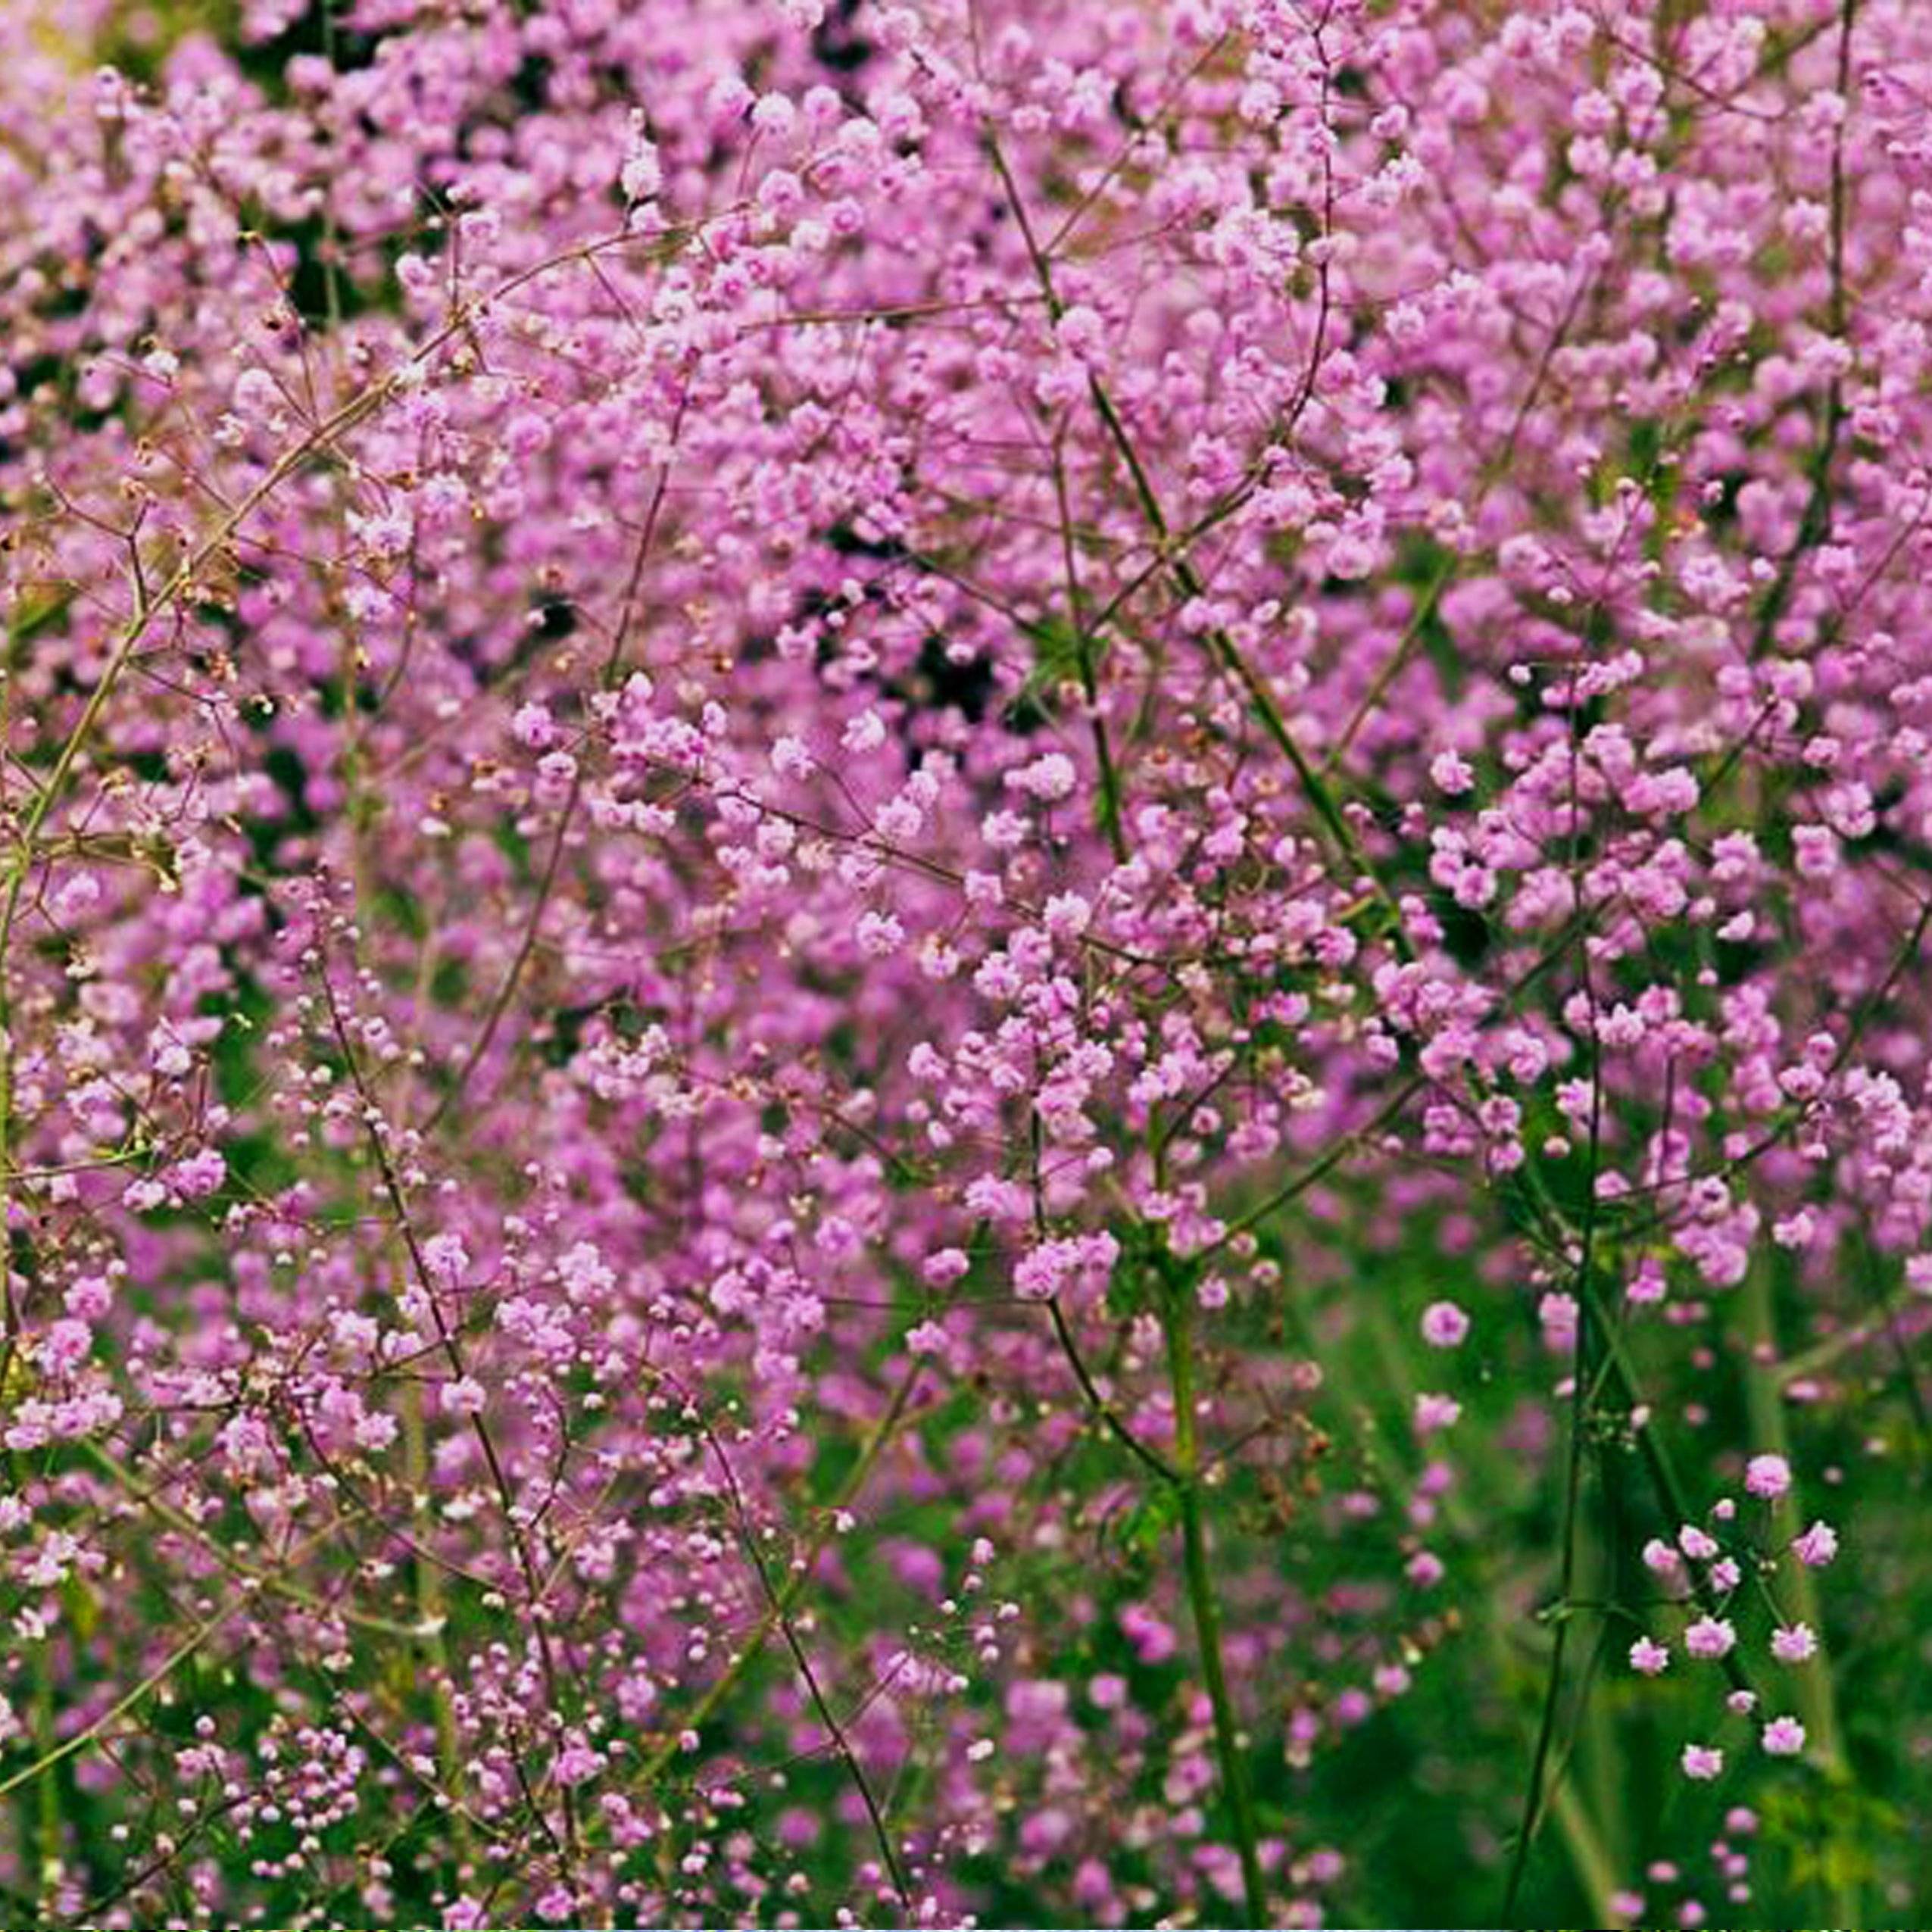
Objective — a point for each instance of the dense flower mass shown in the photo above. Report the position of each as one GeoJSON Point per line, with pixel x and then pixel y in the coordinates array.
{"type": "Point", "coordinates": [965, 962]}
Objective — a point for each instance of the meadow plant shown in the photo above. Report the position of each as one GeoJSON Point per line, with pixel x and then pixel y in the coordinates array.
{"type": "Point", "coordinates": [965, 961]}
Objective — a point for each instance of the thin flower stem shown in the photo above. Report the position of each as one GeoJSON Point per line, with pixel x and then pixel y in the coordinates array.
{"type": "Point", "coordinates": [1149, 1457]}
{"type": "Point", "coordinates": [1202, 1598]}
{"type": "Point", "coordinates": [1815, 1687]}
{"type": "Point", "coordinates": [659, 1760]}
{"type": "Point", "coordinates": [1534, 1797]}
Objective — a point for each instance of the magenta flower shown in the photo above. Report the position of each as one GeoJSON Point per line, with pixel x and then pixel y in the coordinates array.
{"type": "Point", "coordinates": [1444, 1324]}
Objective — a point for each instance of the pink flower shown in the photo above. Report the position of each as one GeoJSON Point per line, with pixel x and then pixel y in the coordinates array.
{"type": "Point", "coordinates": [944, 1266]}
{"type": "Point", "coordinates": [533, 726]}
{"type": "Point", "coordinates": [1784, 1737]}
{"type": "Point", "coordinates": [1648, 1658]}
{"type": "Point", "coordinates": [1710, 1637]}
{"type": "Point", "coordinates": [1767, 1476]}
{"type": "Point", "coordinates": [463, 1397]}
{"type": "Point", "coordinates": [1444, 1324]}
{"type": "Point", "coordinates": [1702, 1762]}
{"type": "Point", "coordinates": [1817, 1546]}
{"type": "Point", "coordinates": [1793, 1644]}
{"type": "Point", "coordinates": [926, 1338]}
{"type": "Point", "coordinates": [1048, 778]}
{"type": "Point", "coordinates": [445, 1259]}
{"type": "Point", "coordinates": [879, 934]}
{"type": "Point", "coordinates": [577, 1763]}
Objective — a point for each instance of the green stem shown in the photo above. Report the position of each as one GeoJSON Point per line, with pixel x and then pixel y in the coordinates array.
{"type": "Point", "coordinates": [47, 1791]}
{"type": "Point", "coordinates": [658, 1760]}
{"type": "Point", "coordinates": [1202, 1597]}
{"type": "Point", "coordinates": [431, 1612]}
{"type": "Point", "coordinates": [1590, 1856]}
{"type": "Point", "coordinates": [1812, 1685]}
{"type": "Point", "coordinates": [1533, 1799]}
{"type": "Point", "coordinates": [1090, 689]}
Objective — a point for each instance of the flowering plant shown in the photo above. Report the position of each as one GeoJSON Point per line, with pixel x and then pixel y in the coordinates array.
{"type": "Point", "coordinates": [963, 962]}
